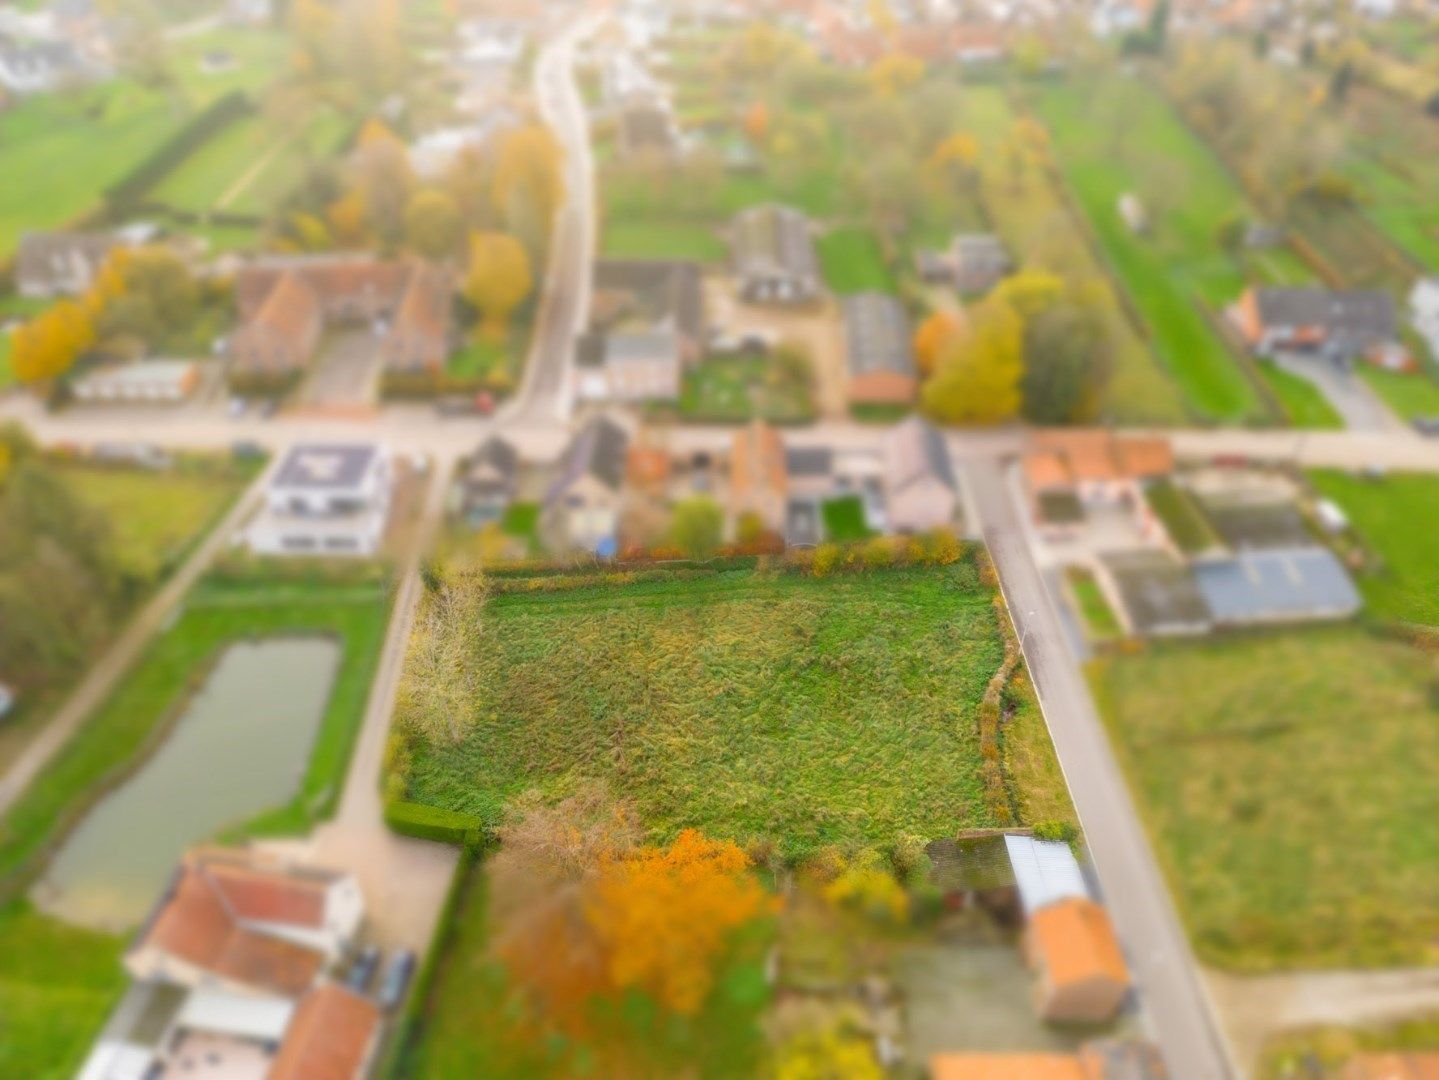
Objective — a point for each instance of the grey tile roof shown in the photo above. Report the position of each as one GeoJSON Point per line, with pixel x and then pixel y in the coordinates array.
{"type": "Point", "coordinates": [1360, 316]}
{"type": "Point", "coordinates": [915, 449]}
{"type": "Point", "coordinates": [809, 460]}
{"type": "Point", "coordinates": [877, 335]}
{"type": "Point", "coordinates": [1276, 585]}
{"type": "Point", "coordinates": [598, 450]}
{"type": "Point", "coordinates": [771, 238]}
{"type": "Point", "coordinates": [656, 291]}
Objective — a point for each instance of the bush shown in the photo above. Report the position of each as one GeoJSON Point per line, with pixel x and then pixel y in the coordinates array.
{"type": "Point", "coordinates": [877, 553]}
{"type": "Point", "coordinates": [1062, 831]}
{"type": "Point", "coordinates": [433, 823]}
{"type": "Point", "coordinates": [827, 559]}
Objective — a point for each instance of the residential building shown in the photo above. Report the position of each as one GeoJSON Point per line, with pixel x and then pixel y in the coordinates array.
{"type": "Point", "coordinates": [979, 261]}
{"type": "Point", "coordinates": [773, 256]}
{"type": "Point", "coordinates": [325, 499]}
{"type": "Point", "coordinates": [1080, 973]}
{"type": "Point", "coordinates": [647, 129]}
{"type": "Point", "coordinates": [758, 476]}
{"type": "Point", "coordinates": [285, 302]}
{"type": "Point", "coordinates": [1339, 325]}
{"type": "Point", "coordinates": [168, 382]}
{"type": "Point", "coordinates": [1076, 476]}
{"type": "Point", "coordinates": [487, 480]}
{"type": "Point", "coordinates": [646, 329]}
{"type": "Point", "coordinates": [61, 263]}
{"type": "Point", "coordinates": [879, 354]}
{"type": "Point", "coordinates": [1424, 311]}
{"type": "Point", "coordinates": [1103, 1059]}
{"type": "Point", "coordinates": [810, 482]}
{"type": "Point", "coordinates": [229, 977]}
{"type": "Point", "coordinates": [921, 489]}
{"type": "Point", "coordinates": [581, 509]}
{"type": "Point", "coordinates": [1392, 1065]}
{"type": "Point", "coordinates": [36, 67]}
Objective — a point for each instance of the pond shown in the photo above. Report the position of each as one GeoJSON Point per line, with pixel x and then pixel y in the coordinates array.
{"type": "Point", "coordinates": [241, 746]}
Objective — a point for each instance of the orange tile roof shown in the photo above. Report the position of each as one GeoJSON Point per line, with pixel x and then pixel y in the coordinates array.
{"type": "Point", "coordinates": [288, 306]}
{"type": "Point", "coordinates": [1095, 455]}
{"type": "Point", "coordinates": [1393, 1066]}
{"type": "Point", "coordinates": [647, 466]}
{"type": "Point", "coordinates": [1075, 941]}
{"type": "Point", "coordinates": [425, 305]}
{"type": "Point", "coordinates": [1005, 1067]}
{"type": "Point", "coordinates": [329, 1038]}
{"type": "Point", "coordinates": [757, 462]}
{"type": "Point", "coordinates": [1046, 469]}
{"type": "Point", "coordinates": [267, 897]}
{"type": "Point", "coordinates": [1144, 456]}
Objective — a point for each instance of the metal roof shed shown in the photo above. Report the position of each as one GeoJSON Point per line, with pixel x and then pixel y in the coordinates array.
{"type": "Point", "coordinates": [1044, 871]}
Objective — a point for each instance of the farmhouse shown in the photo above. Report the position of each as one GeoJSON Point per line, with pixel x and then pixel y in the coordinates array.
{"type": "Point", "coordinates": [758, 477]}
{"type": "Point", "coordinates": [920, 488]}
{"type": "Point", "coordinates": [581, 509]}
{"type": "Point", "coordinates": [486, 483]}
{"type": "Point", "coordinates": [1337, 324]}
{"type": "Point", "coordinates": [325, 499]}
{"type": "Point", "coordinates": [646, 328]}
{"type": "Point", "coordinates": [229, 972]}
{"type": "Point", "coordinates": [1080, 974]}
{"type": "Point", "coordinates": [878, 353]}
{"type": "Point", "coordinates": [285, 302]}
{"type": "Point", "coordinates": [773, 256]}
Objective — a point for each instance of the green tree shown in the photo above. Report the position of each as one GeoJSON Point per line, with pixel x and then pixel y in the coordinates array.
{"type": "Point", "coordinates": [697, 527]}
{"type": "Point", "coordinates": [1067, 364]}
{"type": "Point", "coordinates": [432, 224]}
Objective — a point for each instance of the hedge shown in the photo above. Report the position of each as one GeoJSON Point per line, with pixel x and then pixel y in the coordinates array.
{"type": "Point", "coordinates": [433, 823]}
{"type": "Point", "coordinates": [211, 120]}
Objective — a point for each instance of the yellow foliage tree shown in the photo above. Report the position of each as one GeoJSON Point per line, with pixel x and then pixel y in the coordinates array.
{"type": "Point", "coordinates": [756, 122]}
{"type": "Point", "coordinates": [432, 223]}
{"type": "Point", "coordinates": [932, 337]}
{"type": "Point", "coordinates": [665, 914]}
{"type": "Point", "coordinates": [347, 218]}
{"type": "Point", "coordinates": [49, 344]}
{"type": "Point", "coordinates": [529, 184]}
{"type": "Point", "coordinates": [499, 278]}
{"type": "Point", "coordinates": [895, 73]}
{"type": "Point", "coordinates": [1030, 291]}
{"type": "Point", "coordinates": [977, 379]}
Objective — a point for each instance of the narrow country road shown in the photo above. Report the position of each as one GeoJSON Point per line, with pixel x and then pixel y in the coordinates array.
{"type": "Point", "coordinates": [103, 675]}
{"type": "Point", "coordinates": [1171, 993]}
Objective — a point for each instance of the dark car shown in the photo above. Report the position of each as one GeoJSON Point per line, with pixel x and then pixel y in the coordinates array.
{"type": "Point", "coordinates": [363, 969]}
{"type": "Point", "coordinates": [1426, 425]}
{"type": "Point", "coordinates": [396, 978]}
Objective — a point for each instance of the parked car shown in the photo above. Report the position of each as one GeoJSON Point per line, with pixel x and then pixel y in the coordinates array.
{"type": "Point", "coordinates": [1426, 425]}
{"type": "Point", "coordinates": [480, 404]}
{"type": "Point", "coordinates": [363, 969]}
{"type": "Point", "coordinates": [237, 406]}
{"type": "Point", "coordinates": [396, 979]}
{"type": "Point", "coordinates": [269, 409]}
{"type": "Point", "coordinates": [246, 450]}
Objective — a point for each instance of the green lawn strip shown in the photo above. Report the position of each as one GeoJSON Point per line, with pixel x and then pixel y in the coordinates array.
{"type": "Point", "coordinates": [209, 173]}
{"type": "Point", "coordinates": [1099, 619]}
{"type": "Point", "coordinates": [57, 985]}
{"type": "Point", "coordinates": [1397, 518]}
{"type": "Point", "coordinates": [1029, 214]}
{"type": "Point", "coordinates": [1040, 793]}
{"type": "Point", "coordinates": [851, 262]}
{"type": "Point", "coordinates": [1409, 394]}
{"type": "Point", "coordinates": [117, 736]}
{"type": "Point", "coordinates": [1304, 403]}
{"type": "Point", "coordinates": [661, 238]}
{"type": "Point", "coordinates": [1154, 266]}
{"type": "Point", "coordinates": [1181, 516]}
{"type": "Point", "coordinates": [1286, 779]}
{"type": "Point", "coordinates": [843, 519]}
{"type": "Point", "coordinates": [808, 711]}
{"type": "Point", "coordinates": [283, 172]}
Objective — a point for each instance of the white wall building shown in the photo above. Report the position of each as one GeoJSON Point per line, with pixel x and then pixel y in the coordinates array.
{"type": "Point", "coordinates": [325, 499]}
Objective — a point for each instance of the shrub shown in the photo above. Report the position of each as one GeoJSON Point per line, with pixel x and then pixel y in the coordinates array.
{"type": "Point", "coordinates": [1062, 831]}
{"type": "Point", "coordinates": [433, 823]}
{"type": "Point", "coordinates": [827, 559]}
{"type": "Point", "coordinates": [877, 553]}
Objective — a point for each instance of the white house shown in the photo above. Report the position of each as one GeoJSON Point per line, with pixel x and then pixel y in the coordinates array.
{"type": "Point", "coordinates": [325, 499]}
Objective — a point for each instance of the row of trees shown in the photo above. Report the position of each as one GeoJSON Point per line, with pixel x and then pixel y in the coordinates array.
{"type": "Point", "coordinates": [1032, 348]}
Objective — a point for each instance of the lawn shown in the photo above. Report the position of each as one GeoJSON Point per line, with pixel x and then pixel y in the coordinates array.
{"type": "Point", "coordinates": [217, 613]}
{"type": "Point", "coordinates": [1100, 622]}
{"type": "Point", "coordinates": [630, 238]}
{"type": "Point", "coordinates": [745, 704]}
{"type": "Point", "coordinates": [1031, 217]}
{"type": "Point", "coordinates": [1304, 403]}
{"type": "Point", "coordinates": [733, 390]}
{"type": "Point", "coordinates": [1287, 781]}
{"type": "Point", "coordinates": [1181, 516]}
{"type": "Point", "coordinates": [57, 985]}
{"type": "Point", "coordinates": [1117, 136]}
{"type": "Point", "coordinates": [495, 362]}
{"type": "Point", "coordinates": [1397, 518]}
{"type": "Point", "coordinates": [844, 519]}
{"type": "Point", "coordinates": [1409, 394]}
{"type": "Point", "coordinates": [851, 262]}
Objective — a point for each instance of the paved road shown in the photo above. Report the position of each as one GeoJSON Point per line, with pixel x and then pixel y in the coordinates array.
{"type": "Point", "coordinates": [1358, 406]}
{"type": "Point", "coordinates": [1173, 997]}
{"type": "Point", "coordinates": [545, 393]}
{"type": "Point", "coordinates": [106, 672]}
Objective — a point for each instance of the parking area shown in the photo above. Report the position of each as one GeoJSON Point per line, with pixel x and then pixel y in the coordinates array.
{"type": "Point", "coordinates": [346, 374]}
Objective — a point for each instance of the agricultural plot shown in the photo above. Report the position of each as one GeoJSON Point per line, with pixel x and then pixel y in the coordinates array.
{"type": "Point", "coordinates": [748, 705]}
{"type": "Point", "coordinates": [1031, 216]}
{"type": "Point", "coordinates": [1286, 779]}
{"type": "Point", "coordinates": [1116, 137]}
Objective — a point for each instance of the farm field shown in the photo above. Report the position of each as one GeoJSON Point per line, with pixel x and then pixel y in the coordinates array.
{"type": "Point", "coordinates": [83, 142]}
{"type": "Point", "coordinates": [218, 612]}
{"type": "Point", "coordinates": [1178, 266]}
{"type": "Point", "coordinates": [1029, 214]}
{"type": "Point", "coordinates": [1284, 779]}
{"type": "Point", "coordinates": [806, 711]}
{"type": "Point", "coordinates": [1396, 518]}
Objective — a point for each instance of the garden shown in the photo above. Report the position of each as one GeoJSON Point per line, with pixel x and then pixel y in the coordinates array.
{"type": "Point", "coordinates": [735, 389]}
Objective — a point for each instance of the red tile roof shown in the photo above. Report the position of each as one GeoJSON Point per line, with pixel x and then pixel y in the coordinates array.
{"type": "Point", "coordinates": [329, 1038]}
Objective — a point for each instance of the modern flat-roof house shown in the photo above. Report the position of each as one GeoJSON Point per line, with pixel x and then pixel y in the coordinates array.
{"type": "Point", "coordinates": [758, 477]}
{"type": "Point", "coordinates": [646, 329]}
{"type": "Point", "coordinates": [581, 509]}
{"type": "Point", "coordinates": [879, 355]}
{"type": "Point", "coordinates": [486, 483]}
{"type": "Point", "coordinates": [1339, 324]}
{"type": "Point", "coordinates": [325, 499]}
{"type": "Point", "coordinates": [921, 489]}
{"type": "Point", "coordinates": [229, 978]}
{"type": "Point", "coordinates": [285, 302]}
{"type": "Point", "coordinates": [773, 256]}
{"type": "Point", "coordinates": [166, 382]}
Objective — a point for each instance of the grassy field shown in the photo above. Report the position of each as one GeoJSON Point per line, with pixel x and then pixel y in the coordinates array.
{"type": "Point", "coordinates": [1287, 781]}
{"type": "Point", "coordinates": [1409, 394]}
{"type": "Point", "coordinates": [1397, 518]}
{"type": "Point", "coordinates": [1029, 214]}
{"type": "Point", "coordinates": [216, 614]}
{"type": "Point", "coordinates": [1303, 403]}
{"type": "Point", "coordinates": [744, 704]}
{"type": "Point", "coordinates": [83, 141]}
{"type": "Point", "coordinates": [1117, 136]}
{"type": "Point", "coordinates": [851, 262]}
{"type": "Point", "coordinates": [57, 985]}
{"type": "Point", "coordinates": [634, 238]}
